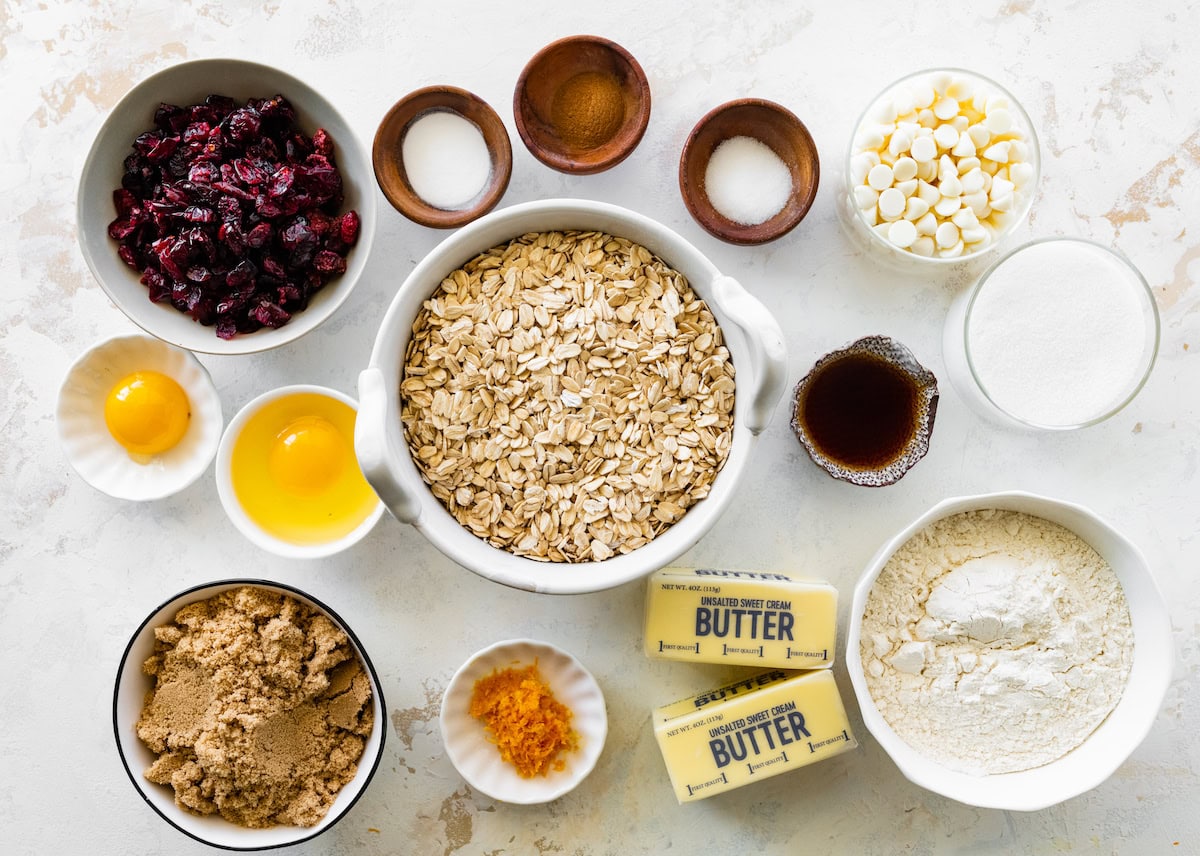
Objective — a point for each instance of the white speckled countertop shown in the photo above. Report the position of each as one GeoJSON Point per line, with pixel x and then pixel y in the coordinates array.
{"type": "Point", "coordinates": [1114, 93]}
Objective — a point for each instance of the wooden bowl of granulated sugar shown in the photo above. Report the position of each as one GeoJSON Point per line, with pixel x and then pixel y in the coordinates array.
{"type": "Point", "coordinates": [301, 777]}
{"type": "Point", "coordinates": [963, 630]}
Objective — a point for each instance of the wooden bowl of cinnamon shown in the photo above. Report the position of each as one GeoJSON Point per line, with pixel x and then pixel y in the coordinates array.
{"type": "Point", "coordinates": [582, 104]}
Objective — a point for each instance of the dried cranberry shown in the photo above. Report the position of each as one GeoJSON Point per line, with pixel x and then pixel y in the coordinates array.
{"type": "Point", "coordinates": [259, 235]}
{"type": "Point", "coordinates": [230, 213]}
{"type": "Point", "coordinates": [329, 262]}
{"type": "Point", "coordinates": [348, 225]}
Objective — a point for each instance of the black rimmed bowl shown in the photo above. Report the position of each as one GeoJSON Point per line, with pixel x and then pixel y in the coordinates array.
{"type": "Point", "coordinates": [132, 684]}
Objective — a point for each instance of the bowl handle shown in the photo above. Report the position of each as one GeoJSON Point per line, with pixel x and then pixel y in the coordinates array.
{"type": "Point", "coordinates": [768, 353]}
{"type": "Point", "coordinates": [377, 446]}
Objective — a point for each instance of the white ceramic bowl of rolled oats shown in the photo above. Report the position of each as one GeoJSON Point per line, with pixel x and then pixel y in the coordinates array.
{"type": "Point", "coordinates": [1009, 650]}
{"type": "Point", "coordinates": [551, 398]}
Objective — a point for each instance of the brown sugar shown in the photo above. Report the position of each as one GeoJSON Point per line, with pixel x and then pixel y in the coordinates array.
{"type": "Point", "coordinates": [260, 711]}
{"type": "Point", "coordinates": [588, 109]}
{"type": "Point", "coordinates": [528, 725]}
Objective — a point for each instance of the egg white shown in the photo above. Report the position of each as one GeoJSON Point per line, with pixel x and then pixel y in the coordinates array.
{"type": "Point", "coordinates": [93, 452]}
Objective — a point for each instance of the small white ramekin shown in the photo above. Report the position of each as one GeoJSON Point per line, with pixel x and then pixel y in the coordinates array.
{"type": "Point", "coordinates": [229, 500]}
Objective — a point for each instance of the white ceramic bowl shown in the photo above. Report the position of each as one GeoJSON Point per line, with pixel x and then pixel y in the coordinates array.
{"type": "Point", "coordinates": [479, 762]}
{"type": "Point", "coordinates": [132, 684]}
{"type": "Point", "coordinates": [752, 335]}
{"type": "Point", "coordinates": [229, 501]}
{"type": "Point", "coordinates": [855, 222]}
{"type": "Point", "coordinates": [1112, 742]}
{"type": "Point", "coordinates": [89, 446]}
{"type": "Point", "coordinates": [189, 83]}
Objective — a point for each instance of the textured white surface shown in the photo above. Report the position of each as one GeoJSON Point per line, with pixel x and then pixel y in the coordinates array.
{"type": "Point", "coordinates": [1115, 97]}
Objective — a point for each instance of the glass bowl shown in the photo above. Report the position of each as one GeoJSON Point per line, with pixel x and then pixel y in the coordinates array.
{"type": "Point", "coordinates": [873, 127]}
{"type": "Point", "coordinates": [993, 401]}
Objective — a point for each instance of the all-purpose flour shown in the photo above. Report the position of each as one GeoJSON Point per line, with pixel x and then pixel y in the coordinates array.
{"type": "Point", "coordinates": [995, 641]}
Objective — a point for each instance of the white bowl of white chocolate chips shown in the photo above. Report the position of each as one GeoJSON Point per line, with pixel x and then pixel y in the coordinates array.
{"type": "Point", "coordinates": [1009, 650]}
{"type": "Point", "coordinates": [942, 166]}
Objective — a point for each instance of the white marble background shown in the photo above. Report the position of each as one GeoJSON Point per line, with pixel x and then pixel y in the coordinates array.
{"type": "Point", "coordinates": [1113, 89]}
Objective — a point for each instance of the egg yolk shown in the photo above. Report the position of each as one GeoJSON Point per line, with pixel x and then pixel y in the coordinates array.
{"type": "Point", "coordinates": [294, 472]}
{"type": "Point", "coordinates": [147, 413]}
{"type": "Point", "coordinates": [307, 456]}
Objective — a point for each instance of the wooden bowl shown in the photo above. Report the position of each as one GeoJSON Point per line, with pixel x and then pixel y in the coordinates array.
{"type": "Point", "coordinates": [776, 127]}
{"type": "Point", "coordinates": [388, 159]}
{"type": "Point", "coordinates": [543, 77]}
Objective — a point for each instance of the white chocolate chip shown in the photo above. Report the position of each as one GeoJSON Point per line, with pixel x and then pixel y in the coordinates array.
{"type": "Point", "coordinates": [899, 143]}
{"type": "Point", "coordinates": [979, 135]}
{"type": "Point", "coordinates": [880, 176]}
{"type": "Point", "coordinates": [927, 119]}
{"type": "Point", "coordinates": [974, 234]}
{"type": "Point", "coordinates": [964, 218]}
{"type": "Point", "coordinates": [902, 233]}
{"type": "Point", "coordinates": [865, 197]}
{"type": "Point", "coordinates": [927, 225]}
{"type": "Point", "coordinates": [923, 149]}
{"type": "Point", "coordinates": [922, 95]}
{"type": "Point", "coordinates": [923, 246]}
{"type": "Point", "coordinates": [904, 101]}
{"type": "Point", "coordinates": [945, 109]}
{"type": "Point", "coordinates": [946, 168]}
{"type": "Point", "coordinates": [904, 169]}
{"type": "Point", "coordinates": [952, 252]}
{"type": "Point", "coordinates": [946, 235]}
{"type": "Point", "coordinates": [1001, 187]}
{"type": "Point", "coordinates": [945, 136]}
{"type": "Point", "coordinates": [1020, 173]}
{"type": "Point", "coordinates": [915, 208]}
{"type": "Point", "coordinates": [964, 148]}
{"type": "Point", "coordinates": [908, 188]}
{"type": "Point", "coordinates": [928, 192]}
{"type": "Point", "coordinates": [959, 88]}
{"type": "Point", "coordinates": [973, 181]}
{"type": "Point", "coordinates": [998, 121]}
{"type": "Point", "coordinates": [997, 152]}
{"type": "Point", "coordinates": [947, 205]}
{"type": "Point", "coordinates": [951, 187]}
{"type": "Point", "coordinates": [891, 203]}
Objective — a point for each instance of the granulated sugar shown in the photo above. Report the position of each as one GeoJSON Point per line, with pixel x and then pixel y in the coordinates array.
{"type": "Point", "coordinates": [1057, 333]}
{"type": "Point", "coordinates": [746, 181]}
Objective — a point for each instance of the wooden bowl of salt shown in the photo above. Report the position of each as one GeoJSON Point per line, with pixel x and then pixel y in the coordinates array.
{"type": "Point", "coordinates": [582, 104]}
{"type": "Point", "coordinates": [749, 171]}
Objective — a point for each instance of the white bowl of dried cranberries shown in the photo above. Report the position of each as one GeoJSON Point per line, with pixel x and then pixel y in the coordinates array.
{"type": "Point", "coordinates": [226, 207]}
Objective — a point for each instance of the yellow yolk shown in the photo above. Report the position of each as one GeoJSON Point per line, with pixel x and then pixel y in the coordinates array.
{"type": "Point", "coordinates": [308, 456]}
{"type": "Point", "coordinates": [147, 413]}
{"type": "Point", "coordinates": [294, 472]}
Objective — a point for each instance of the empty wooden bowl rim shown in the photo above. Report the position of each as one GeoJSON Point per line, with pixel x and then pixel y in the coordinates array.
{"type": "Point", "coordinates": [622, 143]}
{"type": "Point", "coordinates": [787, 218]}
{"type": "Point", "coordinates": [390, 136]}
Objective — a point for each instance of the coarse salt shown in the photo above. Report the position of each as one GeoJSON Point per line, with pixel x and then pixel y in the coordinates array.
{"type": "Point", "coordinates": [747, 182]}
{"type": "Point", "coordinates": [446, 159]}
{"type": "Point", "coordinates": [1057, 334]}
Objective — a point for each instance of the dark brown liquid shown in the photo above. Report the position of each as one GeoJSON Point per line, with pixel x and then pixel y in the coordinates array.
{"type": "Point", "coordinates": [860, 411]}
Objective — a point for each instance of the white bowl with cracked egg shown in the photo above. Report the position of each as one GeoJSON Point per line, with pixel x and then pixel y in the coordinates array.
{"type": "Point", "coordinates": [1093, 761]}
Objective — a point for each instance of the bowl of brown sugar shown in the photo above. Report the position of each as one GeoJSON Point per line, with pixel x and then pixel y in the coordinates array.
{"type": "Point", "coordinates": [248, 715]}
{"type": "Point", "coordinates": [582, 104]}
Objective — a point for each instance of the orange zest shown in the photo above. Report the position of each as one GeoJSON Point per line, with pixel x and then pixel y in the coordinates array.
{"type": "Point", "coordinates": [527, 724]}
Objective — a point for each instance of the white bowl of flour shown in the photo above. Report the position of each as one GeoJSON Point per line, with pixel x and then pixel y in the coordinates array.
{"type": "Point", "coordinates": [1009, 650]}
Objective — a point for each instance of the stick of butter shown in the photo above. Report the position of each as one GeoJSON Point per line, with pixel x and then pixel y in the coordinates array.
{"type": "Point", "coordinates": [740, 617]}
{"type": "Point", "coordinates": [753, 729]}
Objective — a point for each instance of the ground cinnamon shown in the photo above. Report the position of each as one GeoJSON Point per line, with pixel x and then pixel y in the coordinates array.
{"type": "Point", "coordinates": [588, 109]}
{"type": "Point", "coordinates": [527, 724]}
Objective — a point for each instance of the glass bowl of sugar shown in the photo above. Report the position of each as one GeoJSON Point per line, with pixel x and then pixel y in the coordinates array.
{"type": "Point", "coordinates": [1059, 334]}
{"type": "Point", "coordinates": [943, 165]}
